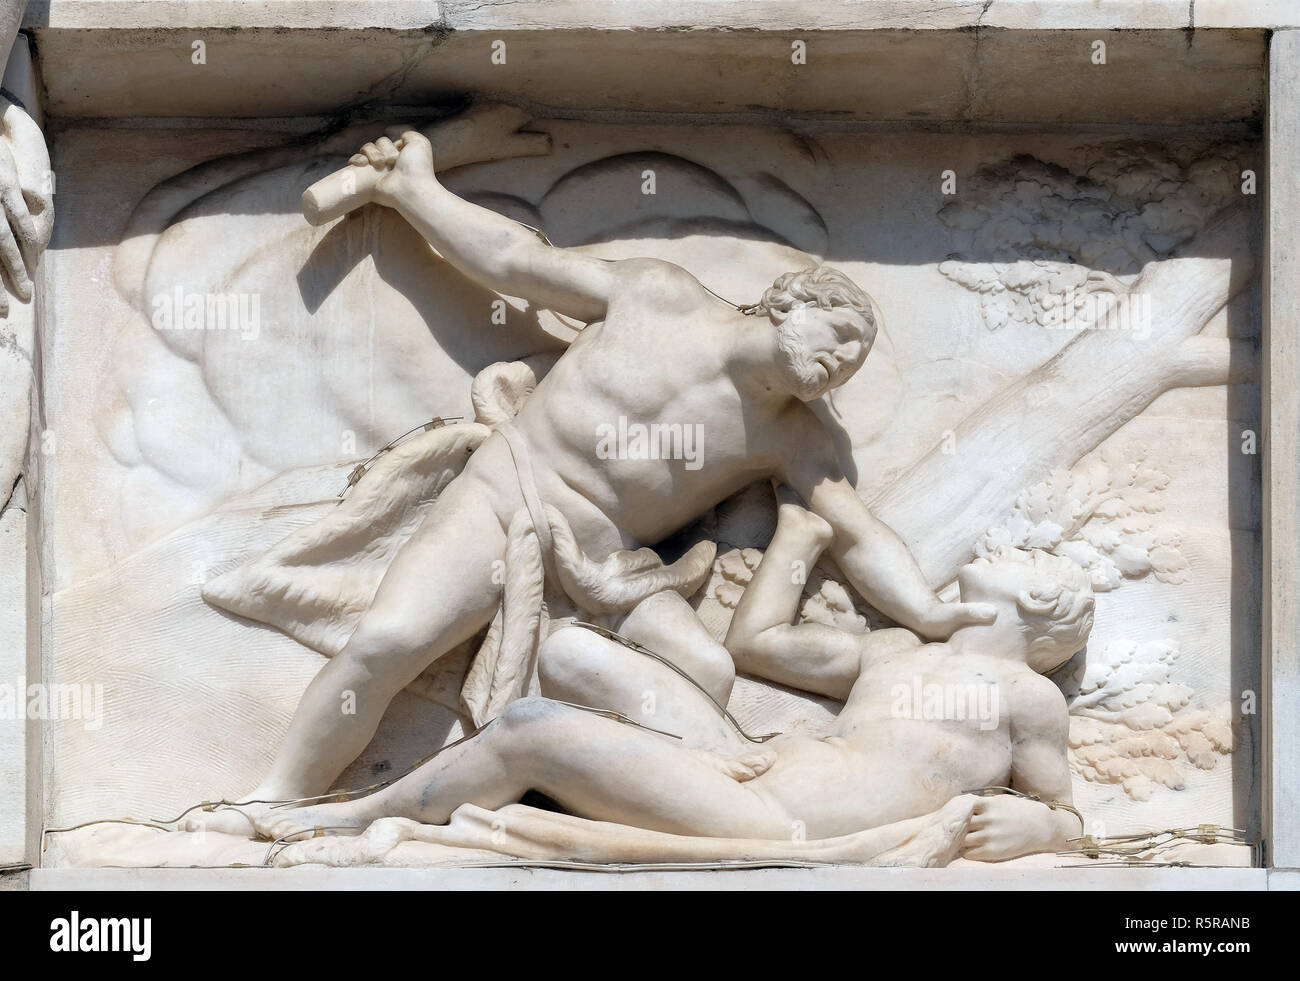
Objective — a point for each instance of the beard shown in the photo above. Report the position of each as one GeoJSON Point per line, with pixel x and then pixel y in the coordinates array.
{"type": "Point", "coordinates": [801, 372]}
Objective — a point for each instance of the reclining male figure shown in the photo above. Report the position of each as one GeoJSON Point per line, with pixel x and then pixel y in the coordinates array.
{"type": "Point", "coordinates": [879, 764]}
{"type": "Point", "coordinates": [658, 348]}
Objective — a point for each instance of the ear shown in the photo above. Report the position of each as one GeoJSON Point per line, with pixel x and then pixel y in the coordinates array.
{"type": "Point", "coordinates": [1028, 603]}
{"type": "Point", "coordinates": [876, 317]}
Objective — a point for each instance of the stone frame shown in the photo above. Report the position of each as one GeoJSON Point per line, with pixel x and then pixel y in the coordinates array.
{"type": "Point", "coordinates": [63, 27]}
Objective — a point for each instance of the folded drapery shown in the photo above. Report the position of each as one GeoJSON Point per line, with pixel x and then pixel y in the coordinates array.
{"type": "Point", "coordinates": [317, 583]}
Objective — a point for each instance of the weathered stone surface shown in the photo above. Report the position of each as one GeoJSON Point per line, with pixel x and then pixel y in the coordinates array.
{"type": "Point", "coordinates": [1061, 274]}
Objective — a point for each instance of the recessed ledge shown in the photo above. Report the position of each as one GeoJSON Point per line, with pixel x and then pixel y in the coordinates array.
{"type": "Point", "coordinates": [1039, 76]}
{"type": "Point", "coordinates": [535, 878]}
{"type": "Point", "coordinates": [776, 15]}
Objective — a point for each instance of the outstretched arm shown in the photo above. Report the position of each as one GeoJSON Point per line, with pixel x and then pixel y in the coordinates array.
{"type": "Point", "coordinates": [875, 560]}
{"type": "Point", "coordinates": [489, 248]}
{"type": "Point", "coordinates": [763, 638]}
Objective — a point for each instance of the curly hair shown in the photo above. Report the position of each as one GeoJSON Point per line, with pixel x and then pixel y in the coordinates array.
{"type": "Point", "coordinates": [820, 285]}
{"type": "Point", "coordinates": [1056, 606]}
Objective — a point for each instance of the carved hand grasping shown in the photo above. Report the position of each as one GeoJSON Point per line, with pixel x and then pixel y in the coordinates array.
{"type": "Point", "coordinates": [404, 160]}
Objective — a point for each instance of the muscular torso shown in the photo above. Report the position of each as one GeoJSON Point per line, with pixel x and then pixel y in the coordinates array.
{"type": "Point", "coordinates": [655, 360]}
{"type": "Point", "coordinates": [882, 763]}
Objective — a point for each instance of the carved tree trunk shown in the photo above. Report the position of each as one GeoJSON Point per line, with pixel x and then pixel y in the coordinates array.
{"type": "Point", "coordinates": [1064, 409]}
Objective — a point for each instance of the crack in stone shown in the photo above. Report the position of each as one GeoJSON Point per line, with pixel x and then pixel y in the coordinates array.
{"type": "Point", "coordinates": [9, 499]}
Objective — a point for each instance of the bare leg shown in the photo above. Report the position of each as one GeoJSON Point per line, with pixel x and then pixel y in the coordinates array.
{"type": "Point", "coordinates": [578, 665]}
{"type": "Point", "coordinates": [762, 636]}
{"type": "Point", "coordinates": [437, 593]}
{"type": "Point", "coordinates": [666, 624]}
{"type": "Point", "coordinates": [596, 768]}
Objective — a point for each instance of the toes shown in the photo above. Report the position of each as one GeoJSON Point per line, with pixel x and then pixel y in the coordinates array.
{"type": "Point", "coordinates": [738, 771]}
{"type": "Point", "coordinates": [751, 765]}
{"type": "Point", "coordinates": [741, 768]}
{"type": "Point", "coordinates": [283, 829]}
{"type": "Point", "coordinates": [280, 827]}
{"type": "Point", "coordinates": [759, 763]}
{"type": "Point", "coordinates": [225, 821]}
{"type": "Point", "coordinates": [298, 823]}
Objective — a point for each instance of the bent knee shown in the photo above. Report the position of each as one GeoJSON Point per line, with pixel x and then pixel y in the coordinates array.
{"type": "Point", "coordinates": [529, 712]}
{"type": "Point", "coordinates": [713, 669]}
{"type": "Point", "coordinates": [571, 657]}
{"type": "Point", "coordinates": [384, 648]}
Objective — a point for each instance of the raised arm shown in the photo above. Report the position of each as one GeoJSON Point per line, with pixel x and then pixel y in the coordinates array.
{"type": "Point", "coordinates": [764, 640]}
{"type": "Point", "coordinates": [875, 560]}
{"type": "Point", "coordinates": [489, 248]}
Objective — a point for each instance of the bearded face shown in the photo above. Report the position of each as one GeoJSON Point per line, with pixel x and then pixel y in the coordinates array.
{"type": "Point", "coordinates": [821, 349]}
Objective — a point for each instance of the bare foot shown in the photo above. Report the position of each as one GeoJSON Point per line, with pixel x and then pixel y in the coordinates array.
{"type": "Point", "coordinates": [227, 819]}
{"type": "Point", "coordinates": [332, 851]}
{"type": "Point", "coordinates": [743, 767]}
{"type": "Point", "coordinates": [242, 818]}
{"type": "Point", "coordinates": [331, 819]}
{"type": "Point", "coordinates": [368, 848]}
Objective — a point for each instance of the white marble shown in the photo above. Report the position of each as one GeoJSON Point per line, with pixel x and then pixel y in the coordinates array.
{"type": "Point", "coordinates": [1281, 498]}
{"type": "Point", "coordinates": [1006, 414]}
{"type": "Point", "coordinates": [594, 62]}
{"type": "Point", "coordinates": [771, 15]}
{"type": "Point", "coordinates": [988, 878]}
{"type": "Point", "coordinates": [25, 182]}
{"type": "Point", "coordinates": [1147, 574]}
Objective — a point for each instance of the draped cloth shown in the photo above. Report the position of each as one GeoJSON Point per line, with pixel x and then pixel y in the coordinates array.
{"type": "Point", "coordinates": [317, 583]}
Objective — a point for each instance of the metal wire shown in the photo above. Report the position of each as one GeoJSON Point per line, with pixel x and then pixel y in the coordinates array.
{"type": "Point", "coordinates": [315, 833]}
{"type": "Point", "coordinates": [642, 649]}
{"type": "Point", "coordinates": [1141, 848]}
{"type": "Point", "coordinates": [361, 469]}
{"type": "Point", "coordinates": [1053, 804]}
{"type": "Point", "coordinates": [337, 796]}
{"type": "Point", "coordinates": [87, 824]}
{"type": "Point", "coordinates": [616, 716]}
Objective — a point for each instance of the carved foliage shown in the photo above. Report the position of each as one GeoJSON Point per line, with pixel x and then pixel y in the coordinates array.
{"type": "Point", "coordinates": [1131, 725]}
{"type": "Point", "coordinates": [1100, 515]}
{"type": "Point", "coordinates": [1035, 240]}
